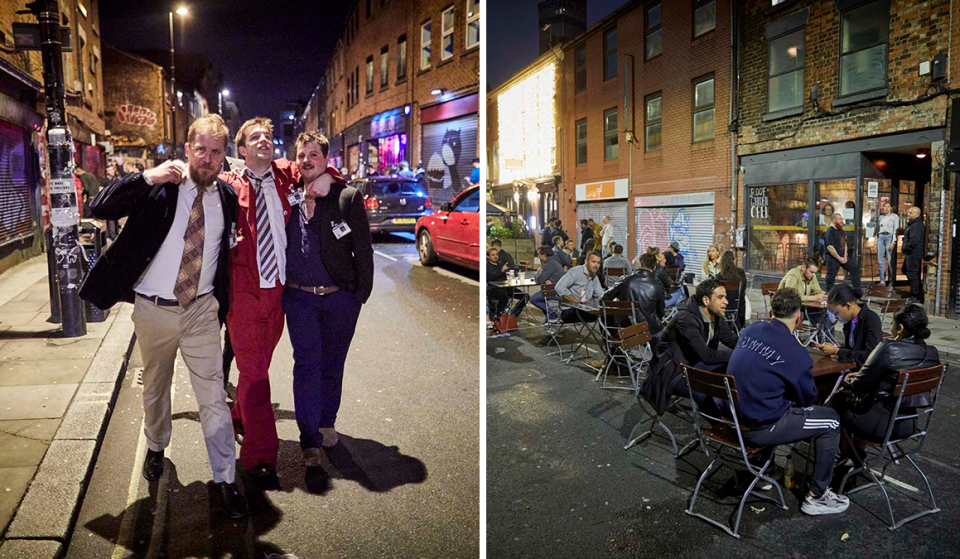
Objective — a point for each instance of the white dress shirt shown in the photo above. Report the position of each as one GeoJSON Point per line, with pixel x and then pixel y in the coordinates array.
{"type": "Point", "coordinates": [161, 276]}
{"type": "Point", "coordinates": [278, 226]}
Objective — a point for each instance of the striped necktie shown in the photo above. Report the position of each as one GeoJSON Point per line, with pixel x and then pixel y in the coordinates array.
{"type": "Point", "coordinates": [191, 263]}
{"type": "Point", "coordinates": [268, 256]}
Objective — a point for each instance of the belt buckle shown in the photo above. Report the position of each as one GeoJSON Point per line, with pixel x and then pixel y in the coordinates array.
{"type": "Point", "coordinates": [315, 292]}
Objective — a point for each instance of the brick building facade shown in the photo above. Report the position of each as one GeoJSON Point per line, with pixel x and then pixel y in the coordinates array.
{"type": "Point", "coordinates": [403, 84]}
{"type": "Point", "coordinates": [631, 89]}
{"type": "Point", "coordinates": [835, 111]}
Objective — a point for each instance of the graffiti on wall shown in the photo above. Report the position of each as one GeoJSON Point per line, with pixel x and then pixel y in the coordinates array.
{"type": "Point", "coordinates": [659, 227]}
{"type": "Point", "coordinates": [136, 115]}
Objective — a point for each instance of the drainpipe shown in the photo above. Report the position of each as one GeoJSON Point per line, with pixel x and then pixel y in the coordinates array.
{"type": "Point", "coordinates": [734, 116]}
{"type": "Point", "coordinates": [940, 262]}
{"type": "Point", "coordinates": [628, 109]}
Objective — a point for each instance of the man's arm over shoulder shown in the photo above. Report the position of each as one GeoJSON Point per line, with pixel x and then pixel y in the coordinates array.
{"type": "Point", "coordinates": [118, 199]}
{"type": "Point", "coordinates": [362, 241]}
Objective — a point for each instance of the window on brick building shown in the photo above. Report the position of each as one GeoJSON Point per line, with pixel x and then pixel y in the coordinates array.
{"type": "Point", "coordinates": [609, 54]}
{"type": "Point", "coordinates": [446, 34]}
{"type": "Point", "coordinates": [704, 111]}
{"type": "Point", "coordinates": [370, 74]}
{"type": "Point", "coordinates": [473, 23]}
{"type": "Point", "coordinates": [654, 123]}
{"type": "Point", "coordinates": [580, 69]}
{"type": "Point", "coordinates": [864, 32]}
{"type": "Point", "coordinates": [654, 32]}
{"type": "Point", "coordinates": [611, 135]}
{"type": "Point", "coordinates": [785, 84]}
{"type": "Point", "coordinates": [384, 67]}
{"type": "Point", "coordinates": [425, 46]}
{"type": "Point", "coordinates": [582, 141]}
{"type": "Point", "coordinates": [402, 57]}
{"type": "Point", "coordinates": [356, 85]}
{"type": "Point", "coordinates": [704, 16]}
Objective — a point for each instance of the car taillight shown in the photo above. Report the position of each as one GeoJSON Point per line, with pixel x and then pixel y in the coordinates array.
{"type": "Point", "coordinates": [371, 204]}
{"type": "Point", "coordinates": [428, 203]}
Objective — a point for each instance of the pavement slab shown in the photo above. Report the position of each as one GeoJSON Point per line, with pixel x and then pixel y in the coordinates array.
{"type": "Point", "coordinates": [13, 484]}
{"type": "Point", "coordinates": [53, 496]}
{"type": "Point", "coordinates": [38, 401]}
{"type": "Point", "coordinates": [20, 318]}
{"type": "Point", "coordinates": [30, 549]}
{"type": "Point", "coordinates": [88, 412]}
{"type": "Point", "coordinates": [54, 371]}
{"type": "Point", "coordinates": [25, 441]}
{"type": "Point", "coordinates": [23, 306]}
{"type": "Point", "coordinates": [57, 348]}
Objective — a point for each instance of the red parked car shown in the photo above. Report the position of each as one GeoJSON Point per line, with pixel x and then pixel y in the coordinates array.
{"type": "Point", "coordinates": [453, 233]}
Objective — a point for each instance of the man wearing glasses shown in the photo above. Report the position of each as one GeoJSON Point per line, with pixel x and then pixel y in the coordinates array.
{"type": "Point", "coordinates": [172, 254]}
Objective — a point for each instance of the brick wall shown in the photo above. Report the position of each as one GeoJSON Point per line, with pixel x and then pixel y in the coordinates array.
{"type": "Point", "coordinates": [133, 98]}
{"type": "Point", "coordinates": [681, 166]}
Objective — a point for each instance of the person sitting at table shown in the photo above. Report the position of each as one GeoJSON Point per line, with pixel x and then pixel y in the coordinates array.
{"type": "Point", "coordinates": [803, 279]}
{"type": "Point", "coordinates": [617, 259]}
{"type": "Point", "coordinates": [570, 247]}
{"type": "Point", "coordinates": [711, 266]}
{"type": "Point", "coordinates": [674, 293]}
{"type": "Point", "coordinates": [866, 400]}
{"type": "Point", "coordinates": [692, 337]}
{"type": "Point", "coordinates": [729, 271]}
{"type": "Point", "coordinates": [551, 270]}
{"type": "Point", "coordinates": [578, 284]}
{"type": "Point", "coordinates": [674, 258]}
{"type": "Point", "coordinates": [862, 328]}
{"type": "Point", "coordinates": [557, 251]}
{"type": "Point", "coordinates": [501, 296]}
{"type": "Point", "coordinates": [643, 288]}
{"type": "Point", "coordinates": [503, 256]}
{"type": "Point", "coordinates": [774, 375]}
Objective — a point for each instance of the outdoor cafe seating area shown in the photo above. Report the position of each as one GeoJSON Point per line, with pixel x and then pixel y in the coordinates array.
{"type": "Point", "coordinates": [615, 349]}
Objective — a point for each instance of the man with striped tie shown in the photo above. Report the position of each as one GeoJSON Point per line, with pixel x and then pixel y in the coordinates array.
{"type": "Point", "coordinates": [258, 273]}
{"type": "Point", "coordinates": [172, 254]}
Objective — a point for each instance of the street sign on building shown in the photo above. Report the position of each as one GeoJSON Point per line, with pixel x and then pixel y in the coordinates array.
{"type": "Point", "coordinates": [26, 36]}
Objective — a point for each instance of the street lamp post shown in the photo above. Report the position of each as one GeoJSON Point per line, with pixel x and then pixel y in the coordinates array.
{"type": "Point", "coordinates": [181, 11]}
{"type": "Point", "coordinates": [223, 93]}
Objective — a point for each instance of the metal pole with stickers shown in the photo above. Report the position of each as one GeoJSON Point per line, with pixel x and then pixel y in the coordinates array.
{"type": "Point", "coordinates": [64, 216]}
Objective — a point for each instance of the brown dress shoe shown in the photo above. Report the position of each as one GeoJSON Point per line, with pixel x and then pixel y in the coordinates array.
{"type": "Point", "coordinates": [311, 457]}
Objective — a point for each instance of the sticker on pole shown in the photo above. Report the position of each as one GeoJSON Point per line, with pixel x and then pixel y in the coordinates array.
{"type": "Point", "coordinates": [62, 186]}
{"type": "Point", "coordinates": [64, 217]}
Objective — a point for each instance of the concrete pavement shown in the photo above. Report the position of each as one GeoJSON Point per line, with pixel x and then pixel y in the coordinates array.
{"type": "Point", "coordinates": [55, 397]}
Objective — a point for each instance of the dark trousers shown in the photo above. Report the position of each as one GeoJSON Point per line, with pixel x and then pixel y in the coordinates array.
{"type": "Point", "coordinates": [819, 423]}
{"type": "Point", "coordinates": [911, 267]}
{"type": "Point", "coordinates": [852, 267]}
{"type": "Point", "coordinates": [570, 316]}
{"type": "Point", "coordinates": [539, 301]}
{"type": "Point", "coordinates": [705, 403]}
{"type": "Point", "coordinates": [501, 297]}
{"type": "Point", "coordinates": [321, 328]}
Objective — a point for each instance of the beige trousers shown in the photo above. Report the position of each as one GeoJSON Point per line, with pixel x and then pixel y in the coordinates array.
{"type": "Point", "coordinates": [195, 331]}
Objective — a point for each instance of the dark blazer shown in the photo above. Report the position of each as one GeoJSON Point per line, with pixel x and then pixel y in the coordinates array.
{"type": "Point", "coordinates": [868, 334]}
{"type": "Point", "coordinates": [150, 211]}
{"type": "Point", "coordinates": [348, 260]}
{"type": "Point", "coordinates": [912, 246]}
{"type": "Point", "coordinates": [684, 341]}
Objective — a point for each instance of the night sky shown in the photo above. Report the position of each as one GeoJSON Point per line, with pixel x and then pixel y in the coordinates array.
{"type": "Point", "coordinates": [268, 55]}
{"type": "Point", "coordinates": [513, 40]}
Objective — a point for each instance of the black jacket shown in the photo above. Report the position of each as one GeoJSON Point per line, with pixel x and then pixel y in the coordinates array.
{"type": "Point", "coordinates": [349, 259]}
{"type": "Point", "coordinates": [912, 246]}
{"type": "Point", "coordinates": [150, 211]}
{"type": "Point", "coordinates": [684, 342]}
{"type": "Point", "coordinates": [585, 235]}
{"type": "Point", "coordinates": [739, 298]}
{"type": "Point", "coordinates": [643, 288]}
{"type": "Point", "coordinates": [495, 271]}
{"type": "Point", "coordinates": [506, 258]}
{"type": "Point", "coordinates": [868, 334]}
{"type": "Point", "coordinates": [876, 379]}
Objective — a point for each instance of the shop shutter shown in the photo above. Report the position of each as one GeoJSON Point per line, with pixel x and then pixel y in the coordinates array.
{"type": "Point", "coordinates": [16, 203]}
{"type": "Point", "coordinates": [618, 216]}
{"type": "Point", "coordinates": [447, 153]}
{"type": "Point", "coordinates": [691, 226]}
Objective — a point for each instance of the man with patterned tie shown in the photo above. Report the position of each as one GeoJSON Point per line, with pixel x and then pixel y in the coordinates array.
{"type": "Point", "coordinates": [172, 254]}
{"type": "Point", "coordinates": [258, 273]}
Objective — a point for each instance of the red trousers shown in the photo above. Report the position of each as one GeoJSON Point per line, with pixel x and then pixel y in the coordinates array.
{"type": "Point", "coordinates": [255, 328]}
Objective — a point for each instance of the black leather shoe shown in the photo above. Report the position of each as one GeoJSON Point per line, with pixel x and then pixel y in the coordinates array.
{"type": "Point", "coordinates": [263, 471]}
{"type": "Point", "coordinates": [153, 465]}
{"type": "Point", "coordinates": [234, 504]}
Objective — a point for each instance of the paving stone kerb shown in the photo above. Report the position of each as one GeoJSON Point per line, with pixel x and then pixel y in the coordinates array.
{"type": "Point", "coordinates": [30, 549]}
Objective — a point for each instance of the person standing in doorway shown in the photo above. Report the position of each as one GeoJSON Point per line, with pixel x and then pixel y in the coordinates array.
{"type": "Point", "coordinates": [913, 241]}
{"type": "Point", "coordinates": [889, 224]}
{"type": "Point", "coordinates": [838, 256]}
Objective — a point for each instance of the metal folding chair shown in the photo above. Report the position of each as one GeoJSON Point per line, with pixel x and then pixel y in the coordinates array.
{"type": "Point", "coordinates": [726, 435]}
{"type": "Point", "coordinates": [892, 451]}
{"type": "Point", "coordinates": [766, 291]}
{"type": "Point", "coordinates": [626, 346]}
{"type": "Point", "coordinates": [734, 294]}
{"type": "Point", "coordinates": [554, 327]}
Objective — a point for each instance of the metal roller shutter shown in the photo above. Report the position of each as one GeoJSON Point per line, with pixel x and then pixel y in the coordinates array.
{"type": "Point", "coordinates": [447, 154]}
{"type": "Point", "coordinates": [691, 226]}
{"type": "Point", "coordinates": [16, 205]}
{"type": "Point", "coordinates": [597, 210]}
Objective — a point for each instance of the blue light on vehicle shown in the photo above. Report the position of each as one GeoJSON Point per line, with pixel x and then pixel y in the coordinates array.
{"type": "Point", "coordinates": [420, 193]}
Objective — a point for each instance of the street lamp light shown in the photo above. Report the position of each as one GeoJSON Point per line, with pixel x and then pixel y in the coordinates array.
{"type": "Point", "coordinates": [182, 12]}
{"type": "Point", "coordinates": [223, 93]}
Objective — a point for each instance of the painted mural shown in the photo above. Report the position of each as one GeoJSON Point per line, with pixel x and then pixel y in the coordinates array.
{"type": "Point", "coordinates": [660, 226]}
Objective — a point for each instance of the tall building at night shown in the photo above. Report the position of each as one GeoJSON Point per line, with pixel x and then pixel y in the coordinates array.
{"type": "Point", "coordinates": [560, 21]}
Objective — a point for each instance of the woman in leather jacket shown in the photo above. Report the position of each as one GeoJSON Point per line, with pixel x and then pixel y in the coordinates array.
{"type": "Point", "coordinates": [866, 402]}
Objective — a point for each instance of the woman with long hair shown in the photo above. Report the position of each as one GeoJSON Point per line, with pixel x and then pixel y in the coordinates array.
{"type": "Point", "coordinates": [711, 266]}
{"type": "Point", "coordinates": [729, 271]}
{"type": "Point", "coordinates": [862, 328]}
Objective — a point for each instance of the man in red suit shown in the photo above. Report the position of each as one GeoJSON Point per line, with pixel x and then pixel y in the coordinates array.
{"type": "Point", "coordinates": [258, 274]}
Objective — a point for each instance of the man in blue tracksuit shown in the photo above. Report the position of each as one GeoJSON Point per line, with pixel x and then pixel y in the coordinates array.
{"type": "Point", "coordinates": [776, 389]}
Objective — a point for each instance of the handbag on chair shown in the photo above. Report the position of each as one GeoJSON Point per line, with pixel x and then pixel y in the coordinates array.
{"type": "Point", "coordinates": [504, 323]}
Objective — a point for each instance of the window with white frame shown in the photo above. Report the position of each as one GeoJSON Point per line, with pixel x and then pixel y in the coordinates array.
{"type": "Point", "coordinates": [473, 23]}
{"type": "Point", "coordinates": [785, 64]}
{"type": "Point", "coordinates": [446, 34]}
{"type": "Point", "coordinates": [704, 110]}
{"type": "Point", "coordinates": [864, 33]}
{"type": "Point", "coordinates": [611, 136]}
{"type": "Point", "coordinates": [654, 123]}
{"type": "Point", "coordinates": [654, 32]}
{"type": "Point", "coordinates": [582, 141]}
{"type": "Point", "coordinates": [402, 57]}
{"type": "Point", "coordinates": [704, 16]}
{"type": "Point", "coordinates": [384, 66]}
{"type": "Point", "coordinates": [425, 30]}
{"type": "Point", "coordinates": [370, 74]}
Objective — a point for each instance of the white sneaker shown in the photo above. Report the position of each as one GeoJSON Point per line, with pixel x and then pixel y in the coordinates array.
{"type": "Point", "coordinates": [828, 503]}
